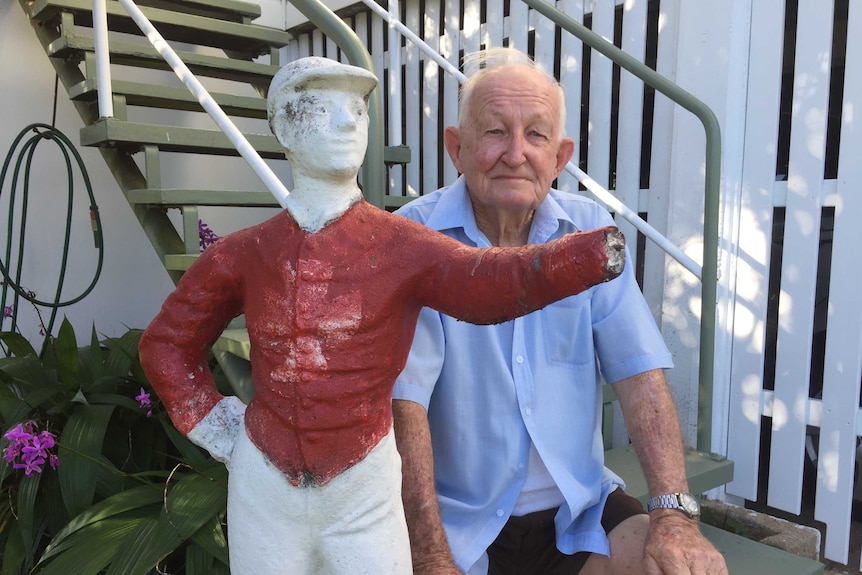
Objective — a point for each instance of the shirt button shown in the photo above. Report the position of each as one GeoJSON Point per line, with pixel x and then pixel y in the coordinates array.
{"type": "Point", "coordinates": [528, 411]}
{"type": "Point", "coordinates": [499, 513]}
{"type": "Point", "coordinates": [520, 359]}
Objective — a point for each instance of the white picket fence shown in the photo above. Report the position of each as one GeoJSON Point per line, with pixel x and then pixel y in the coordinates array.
{"type": "Point", "coordinates": [794, 195]}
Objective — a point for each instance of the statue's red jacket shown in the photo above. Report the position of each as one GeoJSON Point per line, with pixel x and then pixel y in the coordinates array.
{"type": "Point", "coordinates": [330, 317]}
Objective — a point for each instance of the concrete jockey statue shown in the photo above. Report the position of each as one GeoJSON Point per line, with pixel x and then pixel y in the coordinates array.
{"type": "Point", "coordinates": [331, 289]}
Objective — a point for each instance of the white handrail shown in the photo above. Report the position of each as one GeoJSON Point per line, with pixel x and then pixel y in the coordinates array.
{"type": "Point", "coordinates": [589, 183]}
{"type": "Point", "coordinates": [245, 149]}
{"type": "Point", "coordinates": [103, 60]}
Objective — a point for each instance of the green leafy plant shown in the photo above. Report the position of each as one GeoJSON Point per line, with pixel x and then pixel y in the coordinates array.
{"type": "Point", "coordinates": [129, 493]}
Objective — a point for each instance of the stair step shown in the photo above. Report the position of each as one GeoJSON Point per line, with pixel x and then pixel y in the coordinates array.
{"type": "Point", "coordinates": [177, 198]}
{"type": "Point", "coordinates": [131, 135]}
{"type": "Point", "coordinates": [189, 28]}
{"type": "Point", "coordinates": [226, 9]}
{"type": "Point", "coordinates": [111, 132]}
{"type": "Point", "coordinates": [171, 98]}
{"type": "Point", "coordinates": [129, 54]}
{"type": "Point", "coordinates": [744, 556]}
{"type": "Point", "coordinates": [705, 471]}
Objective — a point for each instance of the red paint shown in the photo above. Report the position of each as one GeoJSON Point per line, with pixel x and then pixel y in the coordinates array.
{"type": "Point", "coordinates": [331, 316]}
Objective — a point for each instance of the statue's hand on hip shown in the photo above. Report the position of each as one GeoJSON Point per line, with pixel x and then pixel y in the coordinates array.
{"type": "Point", "coordinates": [217, 432]}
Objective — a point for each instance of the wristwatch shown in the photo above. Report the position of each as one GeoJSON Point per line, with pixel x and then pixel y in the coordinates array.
{"type": "Point", "coordinates": [685, 502]}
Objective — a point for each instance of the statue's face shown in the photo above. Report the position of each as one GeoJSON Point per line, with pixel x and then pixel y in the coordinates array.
{"type": "Point", "coordinates": [323, 131]}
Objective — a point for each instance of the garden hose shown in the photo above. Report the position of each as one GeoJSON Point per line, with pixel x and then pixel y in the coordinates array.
{"type": "Point", "coordinates": [37, 134]}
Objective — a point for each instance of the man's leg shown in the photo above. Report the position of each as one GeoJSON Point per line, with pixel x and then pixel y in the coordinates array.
{"type": "Point", "coordinates": [627, 550]}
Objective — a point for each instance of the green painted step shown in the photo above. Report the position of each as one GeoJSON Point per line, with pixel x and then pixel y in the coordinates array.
{"type": "Point", "coordinates": [231, 9]}
{"type": "Point", "coordinates": [189, 28]}
{"type": "Point", "coordinates": [133, 136]}
{"type": "Point", "coordinates": [129, 54]}
{"type": "Point", "coordinates": [174, 198]}
{"type": "Point", "coordinates": [746, 557]}
{"type": "Point", "coordinates": [171, 98]}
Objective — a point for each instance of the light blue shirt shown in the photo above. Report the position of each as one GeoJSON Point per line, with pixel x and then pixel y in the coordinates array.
{"type": "Point", "coordinates": [492, 390]}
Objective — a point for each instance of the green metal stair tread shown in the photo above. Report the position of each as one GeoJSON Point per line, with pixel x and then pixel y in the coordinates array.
{"type": "Point", "coordinates": [746, 557]}
{"type": "Point", "coordinates": [704, 471]}
{"type": "Point", "coordinates": [120, 134]}
{"type": "Point", "coordinates": [145, 56]}
{"type": "Point", "coordinates": [116, 133]}
{"type": "Point", "coordinates": [171, 98]}
{"type": "Point", "coordinates": [234, 341]}
{"type": "Point", "coordinates": [189, 28]}
{"type": "Point", "coordinates": [224, 8]}
{"type": "Point", "coordinates": [182, 197]}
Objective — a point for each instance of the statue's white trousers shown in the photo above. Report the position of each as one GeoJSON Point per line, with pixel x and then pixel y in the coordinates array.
{"type": "Point", "coordinates": [353, 525]}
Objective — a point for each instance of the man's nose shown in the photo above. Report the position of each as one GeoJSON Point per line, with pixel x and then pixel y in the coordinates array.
{"type": "Point", "coordinates": [514, 154]}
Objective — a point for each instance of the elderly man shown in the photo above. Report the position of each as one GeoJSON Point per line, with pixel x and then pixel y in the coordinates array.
{"type": "Point", "coordinates": [514, 409]}
{"type": "Point", "coordinates": [331, 289]}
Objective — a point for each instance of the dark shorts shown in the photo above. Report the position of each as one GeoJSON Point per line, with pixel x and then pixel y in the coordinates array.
{"type": "Point", "coordinates": [527, 544]}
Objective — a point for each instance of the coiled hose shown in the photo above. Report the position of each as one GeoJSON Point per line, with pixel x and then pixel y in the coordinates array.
{"type": "Point", "coordinates": [39, 133]}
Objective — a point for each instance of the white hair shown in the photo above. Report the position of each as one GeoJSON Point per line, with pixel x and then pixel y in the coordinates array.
{"type": "Point", "coordinates": [478, 64]}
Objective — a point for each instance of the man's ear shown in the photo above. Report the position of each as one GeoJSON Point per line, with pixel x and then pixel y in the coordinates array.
{"type": "Point", "coordinates": [452, 141]}
{"type": "Point", "coordinates": [564, 153]}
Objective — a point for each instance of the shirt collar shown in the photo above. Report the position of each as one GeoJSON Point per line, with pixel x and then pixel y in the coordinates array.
{"type": "Point", "coordinates": [454, 210]}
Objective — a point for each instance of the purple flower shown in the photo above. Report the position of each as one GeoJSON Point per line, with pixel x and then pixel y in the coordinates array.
{"type": "Point", "coordinates": [7, 311]}
{"type": "Point", "coordinates": [28, 450]}
{"type": "Point", "coordinates": [206, 235]}
{"type": "Point", "coordinates": [144, 400]}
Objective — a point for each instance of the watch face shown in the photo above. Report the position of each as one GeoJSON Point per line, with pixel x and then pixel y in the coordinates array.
{"type": "Point", "coordinates": [689, 504]}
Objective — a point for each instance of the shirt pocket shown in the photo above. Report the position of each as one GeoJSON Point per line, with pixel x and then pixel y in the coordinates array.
{"type": "Point", "coordinates": [566, 331]}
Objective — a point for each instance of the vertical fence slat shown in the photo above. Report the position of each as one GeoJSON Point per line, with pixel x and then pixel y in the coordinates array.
{"type": "Point", "coordinates": [518, 25]}
{"type": "Point", "coordinates": [451, 47]}
{"type": "Point", "coordinates": [431, 100]}
{"type": "Point", "coordinates": [571, 66]}
{"type": "Point", "coordinates": [412, 113]}
{"type": "Point", "coordinates": [601, 72]}
{"type": "Point", "coordinates": [630, 112]}
{"type": "Point", "coordinates": [758, 181]}
{"type": "Point", "coordinates": [801, 246]}
{"type": "Point", "coordinates": [843, 357]}
{"type": "Point", "coordinates": [472, 28]}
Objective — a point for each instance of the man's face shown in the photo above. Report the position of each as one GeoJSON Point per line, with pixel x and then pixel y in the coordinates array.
{"type": "Point", "coordinates": [509, 146]}
{"type": "Point", "coordinates": [324, 131]}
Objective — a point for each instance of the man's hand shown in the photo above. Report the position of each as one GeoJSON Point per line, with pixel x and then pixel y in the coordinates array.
{"type": "Point", "coordinates": [436, 566]}
{"type": "Point", "coordinates": [675, 546]}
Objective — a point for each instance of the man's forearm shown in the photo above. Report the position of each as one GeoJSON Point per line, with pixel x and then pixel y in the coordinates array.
{"type": "Point", "coordinates": [428, 543]}
{"type": "Point", "coordinates": [653, 427]}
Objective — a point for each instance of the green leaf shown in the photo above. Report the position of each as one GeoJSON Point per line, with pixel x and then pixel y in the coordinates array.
{"type": "Point", "coordinates": [28, 489]}
{"type": "Point", "coordinates": [198, 560]}
{"type": "Point", "coordinates": [134, 499]}
{"type": "Point", "coordinates": [97, 362]}
{"type": "Point", "coordinates": [13, 552]}
{"type": "Point", "coordinates": [212, 538]}
{"type": "Point", "coordinates": [80, 453]}
{"type": "Point", "coordinates": [123, 353]}
{"type": "Point", "coordinates": [193, 501]}
{"type": "Point", "coordinates": [191, 453]}
{"type": "Point", "coordinates": [90, 550]}
{"type": "Point", "coordinates": [67, 355]}
{"type": "Point", "coordinates": [17, 344]}
{"type": "Point", "coordinates": [151, 541]}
